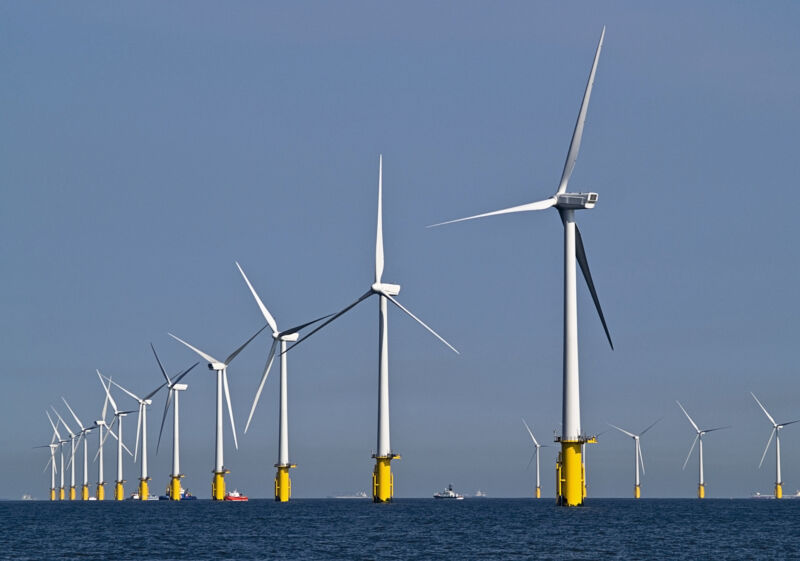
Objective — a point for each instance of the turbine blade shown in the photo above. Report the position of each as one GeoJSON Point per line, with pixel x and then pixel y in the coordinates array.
{"type": "Point", "coordinates": [764, 410]}
{"type": "Point", "coordinates": [717, 428]}
{"type": "Point", "coordinates": [530, 432]}
{"type": "Point", "coordinates": [108, 392]}
{"type": "Point", "coordinates": [789, 423]}
{"type": "Point", "coordinates": [580, 255]}
{"type": "Point", "coordinates": [577, 134]}
{"type": "Point", "coordinates": [105, 409]}
{"type": "Point", "coordinates": [230, 409]}
{"type": "Point", "coordinates": [531, 460]}
{"type": "Point", "coordinates": [164, 418]}
{"type": "Point", "coordinates": [154, 392]}
{"type": "Point", "coordinates": [361, 298]}
{"type": "Point", "coordinates": [138, 429]}
{"type": "Point", "coordinates": [690, 450]}
{"type": "Point", "coordinates": [108, 430]}
{"type": "Point", "coordinates": [639, 451]}
{"type": "Point", "coordinates": [240, 349]}
{"type": "Point", "coordinates": [180, 376]}
{"type": "Point", "coordinates": [264, 311]}
{"type": "Point", "coordinates": [267, 368]}
{"type": "Point", "coordinates": [161, 366]}
{"type": "Point", "coordinates": [66, 426]}
{"type": "Point", "coordinates": [771, 435]}
{"type": "Point", "coordinates": [623, 431]}
{"type": "Point", "coordinates": [422, 323]}
{"type": "Point", "coordinates": [687, 416]}
{"type": "Point", "coordinates": [207, 357]}
{"type": "Point", "coordinates": [379, 234]}
{"type": "Point", "coordinates": [73, 413]}
{"type": "Point", "coordinates": [538, 205]}
{"type": "Point", "coordinates": [133, 395]}
{"type": "Point", "coordinates": [52, 424]}
{"type": "Point", "coordinates": [303, 326]}
{"type": "Point", "coordinates": [650, 427]}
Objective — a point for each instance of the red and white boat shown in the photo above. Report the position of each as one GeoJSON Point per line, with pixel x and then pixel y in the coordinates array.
{"type": "Point", "coordinates": [234, 495]}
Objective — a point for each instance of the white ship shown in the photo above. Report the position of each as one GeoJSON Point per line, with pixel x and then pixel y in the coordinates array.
{"type": "Point", "coordinates": [448, 494]}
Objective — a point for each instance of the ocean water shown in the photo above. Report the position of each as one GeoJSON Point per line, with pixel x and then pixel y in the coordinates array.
{"type": "Point", "coordinates": [406, 529]}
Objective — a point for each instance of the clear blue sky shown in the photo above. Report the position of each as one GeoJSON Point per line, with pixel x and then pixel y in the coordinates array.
{"type": "Point", "coordinates": [145, 147]}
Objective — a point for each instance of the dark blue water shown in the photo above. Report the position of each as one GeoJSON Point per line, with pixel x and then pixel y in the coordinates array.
{"type": "Point", "coordinates": [407, 529]}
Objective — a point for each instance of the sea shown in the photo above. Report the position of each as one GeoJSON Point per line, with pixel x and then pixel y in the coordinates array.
{"type": "Point", "coordinates": [424, 529]}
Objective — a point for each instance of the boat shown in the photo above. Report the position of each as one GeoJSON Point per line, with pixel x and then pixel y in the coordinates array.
{"type": "Point", "coordinates": [359, 495]}
{"type": "Point", "coordinates": [135, 497]}
{"type": "Point", "coordinates": [235, 495]}
{"type": "Point", "coordinates": [448, 494]}
{"type": "Point", "coordinates": [480, 493]}
{"type": "Point", "coordinates": [185, 496]}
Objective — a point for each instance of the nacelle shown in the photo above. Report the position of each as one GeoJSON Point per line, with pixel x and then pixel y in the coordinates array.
{"type": "Point", "coordinates": [390, 289]}
{"type": "Point", "coordinates": [180, 387]}
{"type": "Point", "coordinates": [576, 201]}
{"type": "Point", "coordinates": [290, 337]}
{"type": "Point", "coordinates": [216, 366]}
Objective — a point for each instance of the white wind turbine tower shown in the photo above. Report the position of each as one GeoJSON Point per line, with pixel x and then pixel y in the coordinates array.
{"type": "Point", "coordinates": [119, 490]}
{"type": "Point", "coordinates": [61, 443]}
{"type": "Point", "coordinates": [535, 453]}
{"type": "Point", "coordinates": [283, 484]}
{"type": "Point", "coordinates": [382, 480]}
{"type": "Point", "coordinates": [701, 485]}
{"type": "Point", "coordinates": [776, 428]}
{"type": "Point", "coordinates": [174, 388]}
{"type": "Point", "coordinates": [82, 434]}
{"type": "Point", "coordinates": [71, 463]}
{"type": "Point", "coordinates": [637, 493]}
{"type": "Point", "coordinates": [571, 483]}
{"type": "Point", "coordinates": [221, 369]}
{"type": "Point", "coordinates": [141, 428]}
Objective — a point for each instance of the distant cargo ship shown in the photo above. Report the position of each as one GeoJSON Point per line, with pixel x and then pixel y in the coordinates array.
{"type": "Point", "coordinates": [448, 494]}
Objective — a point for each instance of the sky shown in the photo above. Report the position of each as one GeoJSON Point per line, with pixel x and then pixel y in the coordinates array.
{"type": "Point", "coordinates": [147, 147]}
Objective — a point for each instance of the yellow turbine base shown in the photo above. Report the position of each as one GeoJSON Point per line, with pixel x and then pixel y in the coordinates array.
{"type": "Point", "coordinates": [570, 476]}
{"type": "Point", "coordinates": [637, 492]}
{"type": "Point", "coordinates": [144, 490]}
{"type": "Point", "coordinates": [218, 485]}
{"type": "Point", "coordinates": [119, 491]}
{"type": "Point", "coordinates": [538, 492]}
{"type": "Point", "coordinates": [283, 484]}
{"type": "Point", "coordinates": [701, 491]}
{"type": "Point", "coordinates": [61, 494]}
{"type": "Point", "coordinates": [778, 491]}
{"type": "Point", "coordinates": [85, 493]}
{"type": "Point", "coordinates": [72, 493]}
{"type": "Point", "coordinates": [101, 492]}
{"type": "Point", "coordinates": [52, 494]}
{"type": "Point", "coordinates": [175, 487]}
{"type": "Point", "coordinates": [383, 479]}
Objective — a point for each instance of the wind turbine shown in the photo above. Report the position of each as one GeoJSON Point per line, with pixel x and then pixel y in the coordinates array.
{"type": "Point", "coordinates": [55, 442]}
{"type": "Point", "coordinates": [776, 427]}
{"type": "Point", "coordinates": [174, 386]}
{"type": "Point", "coordinates": [221, 369]}
{"type": "Point", "coordinates": [536, 454]}
{"type": "Point", "coordinates": [637, 493]}
{"type": "Point", "coordinates": [382, 480]}
{"type": "Point", "coordinates": [571, 483]}
{"type": "Point", "coordinates": [283, 484]}
{"type": "Point", "coordinates": [61, 443]}
{"type": "Point", "coordinates": [701, 485]}
{"type": "Point", "coordinates": [72, 437]}
{"type": "Point", "coordinates": [141, 428]}
{"type": "Point", "coordinates": [82, 434]}
{"type": "Point", "coordinates": [119, 489]}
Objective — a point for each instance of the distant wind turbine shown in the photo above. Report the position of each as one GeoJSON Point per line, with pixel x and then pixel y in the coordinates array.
{"type": "Point", "coordinates": [639, 459]}
{"type": "Point", "coordinates": [221, 370]}
{"type": "Point", "coordinates": [536, 455]}
{"type": "Point", "coordinates": [119, 484]}
{"type": "Point", "coordinates": [72, 438]}
{"type": "Point", "coordinates": [776, 428]}
{"type": "Point", "coordinates": [701, 485]}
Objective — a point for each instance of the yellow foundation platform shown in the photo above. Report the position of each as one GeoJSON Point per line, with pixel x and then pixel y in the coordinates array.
{"type": "Point", "coordinates": [61, 494]}
{"type": "Point", "coordinates": [119, 491]}
{"type": "Point", "coordinates": [570, 472]}
{"type": "Point", "coordinates": [701, 491]}
{"type": "Point", "coordinates": [174, 490]}
{"type": "Point", "coordinates": [538, 492]}
{"type": "Point", "coordinates": [52, 494]}
{"type": "Point", "coordinates": [778, 491]}
{"type": "Point", "coordinates": [218, 485]}
{"type": "Point", "coordinates": [283, 483]}
{"type": "Point", "coordinates": [72, 493]}
{"type": "Point", "coordinates": [383, 479]}
{"type": "Point", "coordinates": [85, 493]}
{"type": "Point", "coordinates": [637, 492]}
{"type": "Point", "coordinates": [144, 489]}
{"type": "Point", "coordinates": [101, 492]}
